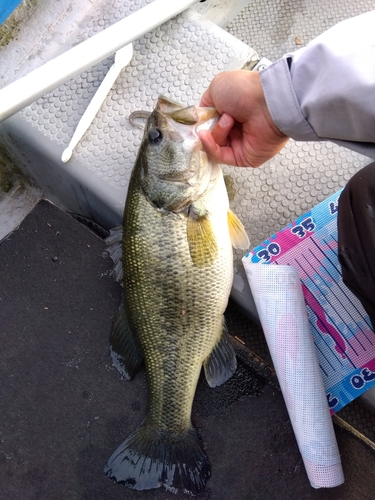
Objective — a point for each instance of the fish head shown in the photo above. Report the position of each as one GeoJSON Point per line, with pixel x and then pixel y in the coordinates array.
{"type": "Point", "coordinates": [173, 169]}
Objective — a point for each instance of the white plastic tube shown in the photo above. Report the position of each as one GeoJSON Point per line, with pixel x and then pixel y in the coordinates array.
{"type": "Point", "coordinates": [281, 307]}
{"type": "Point", "coordinates": [27, 89]}
{"type": "Point", "coordinates": [122, 58]}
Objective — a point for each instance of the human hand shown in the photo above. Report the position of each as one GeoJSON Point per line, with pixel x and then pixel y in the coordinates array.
{"type": "Point", "coordinates": [245, 134]}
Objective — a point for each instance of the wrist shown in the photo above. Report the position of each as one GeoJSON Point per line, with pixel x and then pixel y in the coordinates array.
{"type": "Point", "coordinates": [258, 91]}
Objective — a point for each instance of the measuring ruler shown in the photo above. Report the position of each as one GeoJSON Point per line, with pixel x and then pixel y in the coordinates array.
{"type": "Point", "coordinates": [342, 331]}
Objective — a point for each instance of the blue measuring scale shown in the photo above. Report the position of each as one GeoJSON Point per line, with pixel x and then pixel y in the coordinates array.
{"type": "Point", "coordinates": [342, 331]}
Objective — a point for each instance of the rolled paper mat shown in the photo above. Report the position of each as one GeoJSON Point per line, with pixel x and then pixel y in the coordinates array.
{"type": "Point", "coordinates": [281, 307]}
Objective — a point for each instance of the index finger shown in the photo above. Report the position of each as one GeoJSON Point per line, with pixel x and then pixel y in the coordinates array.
{"type": "Point", "coordinates": [217, 153]}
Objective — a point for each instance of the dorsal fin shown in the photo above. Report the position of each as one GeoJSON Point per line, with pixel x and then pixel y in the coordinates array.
{"type": "Point", "coordinates": [230, 187]}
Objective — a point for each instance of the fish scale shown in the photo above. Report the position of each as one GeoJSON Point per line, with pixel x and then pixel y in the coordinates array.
{"type": "Point", "coordinates": [185, 320]}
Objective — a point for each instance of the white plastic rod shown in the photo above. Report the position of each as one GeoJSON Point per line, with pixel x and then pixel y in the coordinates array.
{"type": "Point", "coordinates": [122, 59]}
{"type": "Point", "coordinates": [29, 88]}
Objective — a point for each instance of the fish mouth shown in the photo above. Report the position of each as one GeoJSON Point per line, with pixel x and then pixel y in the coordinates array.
{"type": "Point", "coordinates": [194, 115]}
{"type": "Point", "coordinates": [182, 177]}
{"type": "Point", "coordinates": [180, 125]}
{"type": "Point", "coordinates": [184, 124]}
{"type": "Point", "coordinates": [201, 117]}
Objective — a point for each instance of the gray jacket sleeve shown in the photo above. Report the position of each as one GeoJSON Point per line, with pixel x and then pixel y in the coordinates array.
{"type": "Point", "coordinates": [326, 91]}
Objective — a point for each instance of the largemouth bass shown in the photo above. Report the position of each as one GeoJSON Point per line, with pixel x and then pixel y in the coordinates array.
{"type": "Point", "coordinates": [177, 266]}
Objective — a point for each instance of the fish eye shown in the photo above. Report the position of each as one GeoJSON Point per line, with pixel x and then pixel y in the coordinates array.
{"type": "Point", "coordinates": [155, 136]}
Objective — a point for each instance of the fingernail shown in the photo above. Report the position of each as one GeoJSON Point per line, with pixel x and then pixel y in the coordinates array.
{"type": "Point", "coordinates": [224, 120]}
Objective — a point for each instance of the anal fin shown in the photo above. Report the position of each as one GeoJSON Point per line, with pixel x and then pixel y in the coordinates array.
{"type": "Point", "coordinates": [125, 353]}
{"type": "Point", "coordinates": [221, 363]}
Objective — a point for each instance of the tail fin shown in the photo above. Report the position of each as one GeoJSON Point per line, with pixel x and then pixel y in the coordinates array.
{"type": "Point", "coordinates": [149, 458]}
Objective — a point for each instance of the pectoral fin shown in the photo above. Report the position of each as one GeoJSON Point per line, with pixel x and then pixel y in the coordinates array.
{"type": "Point", "coordinates": [222, 362]}
{"type": "Point", "coordinates": [125, 353]}
{"type": "Point", "coordinates": [237, 232]}
{"type": "Point", "coordinates": [201, 240]}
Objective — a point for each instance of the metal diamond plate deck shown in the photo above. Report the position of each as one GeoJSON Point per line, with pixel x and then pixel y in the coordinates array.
{"type": "Point", "coordinates": [176, 60]}
{"type": "Point", "coordinates": [275, 27]}
{"type": "Point", "coordinates": [179, 59]}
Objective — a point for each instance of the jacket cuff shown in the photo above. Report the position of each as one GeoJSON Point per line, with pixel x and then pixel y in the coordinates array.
{"type": "Point", "coordinates": [283, 104]}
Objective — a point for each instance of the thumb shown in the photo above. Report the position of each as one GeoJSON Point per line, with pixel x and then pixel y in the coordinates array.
{"type": "Point", "coordinates": [222, 129]}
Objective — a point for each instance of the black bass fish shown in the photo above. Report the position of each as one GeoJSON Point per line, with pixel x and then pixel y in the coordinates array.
{"type": "Point", "coordinates": [177, 266]}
